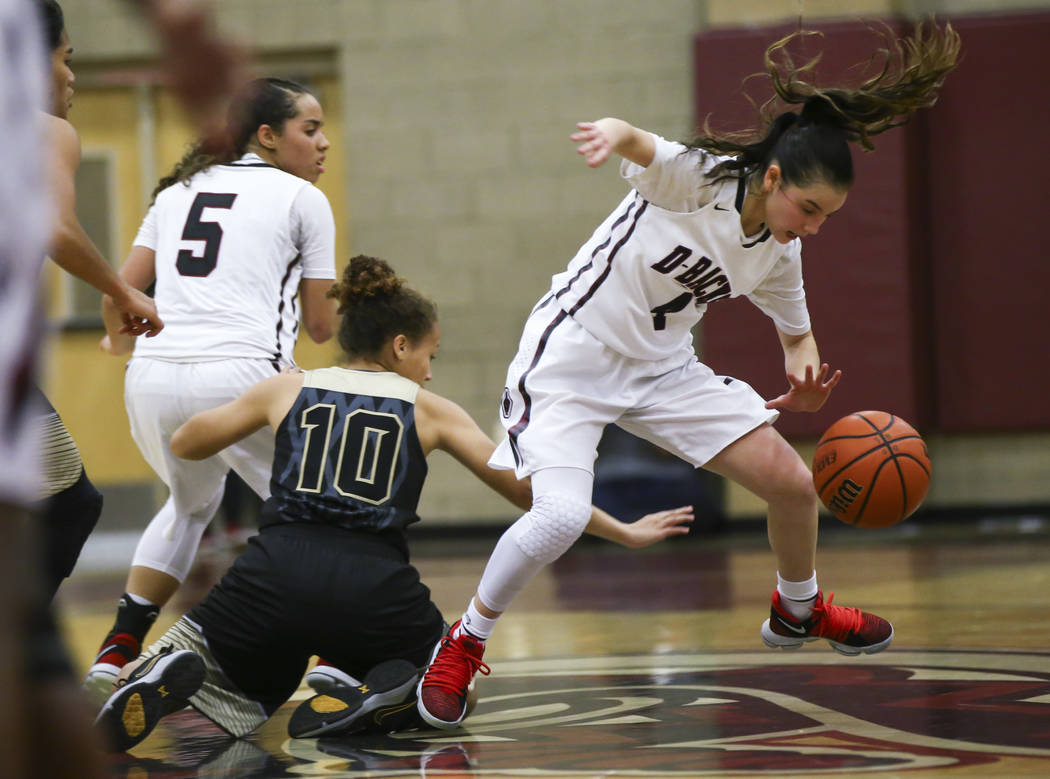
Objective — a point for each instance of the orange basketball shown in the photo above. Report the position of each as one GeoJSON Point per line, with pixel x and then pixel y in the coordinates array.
{"type": "Point", "coordinates": [871, 469]}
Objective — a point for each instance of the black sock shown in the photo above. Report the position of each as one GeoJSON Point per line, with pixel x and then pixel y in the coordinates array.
{"type": "Point", "coordinates": [134, 618]}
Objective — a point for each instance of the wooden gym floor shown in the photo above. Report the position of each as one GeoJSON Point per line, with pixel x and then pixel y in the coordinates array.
{"type": "Point", "coordinates": [648, 663]}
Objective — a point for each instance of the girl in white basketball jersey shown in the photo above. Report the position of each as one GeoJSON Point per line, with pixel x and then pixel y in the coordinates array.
{"type": "Point", "coordinates": [611, 343]}
{"type": "Point", "coordinates": [236, 244]}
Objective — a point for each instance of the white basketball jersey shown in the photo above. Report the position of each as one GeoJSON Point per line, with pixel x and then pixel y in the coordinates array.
{"type": "Point", "coordinates": [644, 278]}
{"type": "Point", "coordinates": [231, 248]}
{"type": "Point", "coordinates": [25, 217]}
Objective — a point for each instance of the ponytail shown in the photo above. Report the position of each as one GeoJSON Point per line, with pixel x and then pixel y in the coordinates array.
{"type": "Point", "coordinates": [270, 101]}
{"type": "Point", "coordinates": [813, 143]}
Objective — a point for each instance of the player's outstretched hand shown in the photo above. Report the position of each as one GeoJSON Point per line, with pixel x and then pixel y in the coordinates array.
{"type": "Point", "coordinates": [595, 145]}
{"type": "Point", "coordinates": [656, 527]}
{"type": "Point", "coordinates": [808, 393]}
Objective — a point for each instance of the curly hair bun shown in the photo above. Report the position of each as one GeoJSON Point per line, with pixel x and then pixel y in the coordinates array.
{"type": "Point", "coordinates": [365, 277]}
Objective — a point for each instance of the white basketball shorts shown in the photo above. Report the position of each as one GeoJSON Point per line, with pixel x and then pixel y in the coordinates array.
{"type": "Point", "coordinates": [161, 395]}
{"type": "Point", "coordinates": [564, 386]}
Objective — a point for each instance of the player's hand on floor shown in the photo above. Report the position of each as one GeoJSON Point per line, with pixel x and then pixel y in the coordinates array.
{"type": "Point", "coordinates": [656, 527]}
{"type": "Point", "coordinates": [808, 393]}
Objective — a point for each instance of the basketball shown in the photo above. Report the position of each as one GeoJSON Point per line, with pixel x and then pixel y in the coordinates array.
{"type": "Point", "coordinates": [871, 469]}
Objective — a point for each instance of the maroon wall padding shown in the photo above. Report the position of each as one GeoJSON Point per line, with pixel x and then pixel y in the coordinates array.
{"type": "Point", "coordinates": [929, 289]}
{"type": "Point", "coordinates": [989, 185]}
{"type": "Point", "coordinates": [861, 285]}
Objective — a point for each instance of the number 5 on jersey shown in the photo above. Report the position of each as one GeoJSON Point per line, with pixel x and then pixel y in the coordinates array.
{"type": "Point", "coordinates": [188, 263]}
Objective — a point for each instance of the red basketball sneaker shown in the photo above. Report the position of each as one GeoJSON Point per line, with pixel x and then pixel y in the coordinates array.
{"type": "Point", "coordinates": [849, 631]}
{"type": "Point", "coordinates": [442, 691]}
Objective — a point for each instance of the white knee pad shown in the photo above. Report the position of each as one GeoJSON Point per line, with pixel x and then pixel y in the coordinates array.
{"type": "Point", "coordinates": [551, 526]}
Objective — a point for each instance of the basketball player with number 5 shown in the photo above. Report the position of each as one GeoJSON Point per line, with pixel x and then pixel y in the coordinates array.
{"type": "Point", "coordinates": [230, 241]}
{"type": "Point", "coordinates": [611, 342]}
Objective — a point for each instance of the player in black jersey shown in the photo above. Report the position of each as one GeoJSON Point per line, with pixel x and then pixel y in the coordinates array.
{"type": "Point", "coordinates": [329, 572]}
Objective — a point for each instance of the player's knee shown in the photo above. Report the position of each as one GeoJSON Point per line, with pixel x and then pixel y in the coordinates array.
{"type": "Point", "coordinates": [69, 517]}
{"type": "Point", "coordinates": [793, 485]}
{"type": "Point", "coordinates": [205, 512]}
{"type": "Point", "coordinates": [551, 526]}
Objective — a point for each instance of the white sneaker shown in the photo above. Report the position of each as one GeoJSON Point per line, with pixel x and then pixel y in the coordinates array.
{"type": "Point", "coordinates": [324, 678]}
{"type": "Point", "coordinates": [100, 683]}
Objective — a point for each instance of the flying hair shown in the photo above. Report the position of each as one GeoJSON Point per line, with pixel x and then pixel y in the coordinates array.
{"type": "Point", "coordinates": [812, 143]}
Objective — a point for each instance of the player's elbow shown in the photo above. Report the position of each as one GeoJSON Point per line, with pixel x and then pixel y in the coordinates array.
{"type": "Point", "coordinates": [184, 446]}
{"type": "Point", "coordinates": [320, 329]}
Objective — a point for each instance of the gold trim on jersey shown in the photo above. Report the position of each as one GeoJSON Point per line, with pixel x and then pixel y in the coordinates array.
{"type": "Point", "coordinates": [382, 384]}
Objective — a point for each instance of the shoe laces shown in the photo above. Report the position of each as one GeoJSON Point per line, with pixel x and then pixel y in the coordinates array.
{"type": "Point", "coordinates": [454, 667]}
{"type": "Point", "coordinates": [840, 621]}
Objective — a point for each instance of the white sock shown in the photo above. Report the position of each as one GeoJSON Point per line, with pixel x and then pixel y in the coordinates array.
{"type": "Point", "coordinates": [476, 624]}
{"type": "Point", "coordinates": [798, 597]}
{"type": "Point", "coordinates": [140, 600]}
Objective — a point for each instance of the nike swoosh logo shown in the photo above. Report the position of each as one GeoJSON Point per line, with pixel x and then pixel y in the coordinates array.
{"type": "Point", "coordinates": [789, 626]}
{"type": "Point", "coordinates": [719, 208]}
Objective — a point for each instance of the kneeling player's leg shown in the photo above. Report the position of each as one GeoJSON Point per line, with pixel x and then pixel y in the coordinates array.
{"type": "Point", "coordinates": [159, 683]}
{"type": "Point", "coordinates": [162, 559]}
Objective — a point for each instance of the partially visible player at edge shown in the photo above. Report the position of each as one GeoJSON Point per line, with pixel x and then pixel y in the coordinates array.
{"type": "Point", "coordinates": [611, 342]}
{"type": "Point", "coordinates": [73, 504]}
{"type": "Point", "coordinates": [329, 572]}
{"type": "Point", "coordinates": [238, 243]}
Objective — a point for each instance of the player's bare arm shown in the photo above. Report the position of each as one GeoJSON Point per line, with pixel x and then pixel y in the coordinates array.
{"type": "Point", "coordinates": [644, 532]}
{"type": "Point", "coordinates": [139, 271]}
{"type": "Point", "coordinates": [809, 384]}
{"type": "Point", "coordinates": [452, 430]}
{"type": "Point", "coordinates": [318, 309]}
{"type": "Point", "coordinates": [599, 139]}
{"type": "Point", "coordinates": [209, 432]}
{"type": "Point", "coordinates": [73, 250]}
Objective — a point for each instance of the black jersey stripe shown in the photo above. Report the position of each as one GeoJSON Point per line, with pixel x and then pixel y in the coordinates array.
{"type": "Point", "coordinates": [609, 263]}
{"type": "Point", "coordinates": [612, 230]}
{"type": "Point", "coordinates": [526, 414]}
{"type": "Point", "coordinates": [280, 305]}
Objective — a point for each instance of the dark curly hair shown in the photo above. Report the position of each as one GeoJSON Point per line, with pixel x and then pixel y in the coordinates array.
{"type": "Point", "coordinates": [376, 306]}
